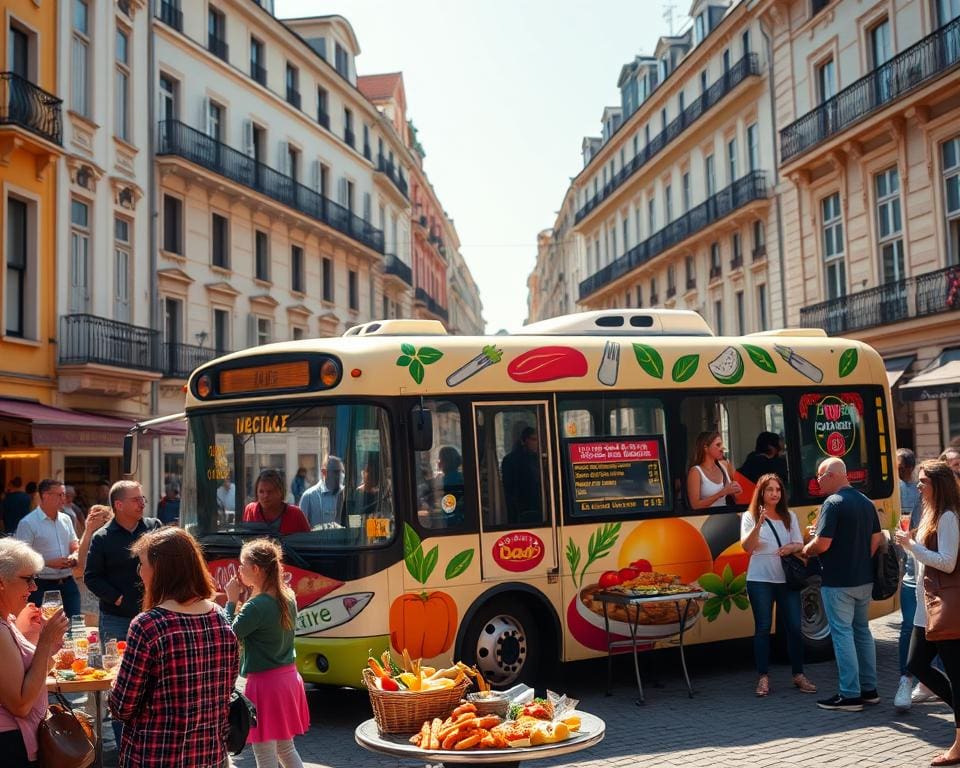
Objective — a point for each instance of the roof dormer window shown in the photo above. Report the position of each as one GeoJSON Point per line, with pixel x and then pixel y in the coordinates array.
{"type": "Point", "coordinates": [699, 28]}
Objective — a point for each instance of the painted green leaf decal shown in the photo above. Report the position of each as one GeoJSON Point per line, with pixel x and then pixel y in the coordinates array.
{"type": "Point", "coordinates": [573, 558]}
{"type": "Point", "coordinates": [600, 544]}
{"type": "Point", "coordinates": [404, 360]}
{"type": "Point", "coordinates": [416, 371]}
{"type": "Point", "coordinates": [848, 361]}
{"type": "Point", "coordinates": [649, 359]}
{"type": "Point", "coordinates": [741, 602]}
{"type": "Point", "coordinates": [429, 355]}
{"type": "Point", "coordinates": [411, 542]}
{"type": "Point", "coordinates": [429, 563]}
{"type": "Point", "coordinates": [727, 575]}
{"type": "Point", "coordinates": [761, 358]}
{"type": "Point", "coordinates": [712, 583]}
{"type": "Point", "coordinates": [408, 349]}
{"type": "Point", "coordinates": [711, 608]}
{"type": "Point", "coordinates": [685, 367]}
{"type": "Point", "coordinates": [458, 564]}
{"type": "Point", "coordinates": [726, 605]}
{"type": "Point", "coordinates": [738, 584]}
{"type": "Point", "coordinates": [414, 564]}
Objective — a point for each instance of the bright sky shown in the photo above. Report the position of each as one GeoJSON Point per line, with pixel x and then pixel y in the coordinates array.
{"type": "Point", "coordinates": [502, 92]}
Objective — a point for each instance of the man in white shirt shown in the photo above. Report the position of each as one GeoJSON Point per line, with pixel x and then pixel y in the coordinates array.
{"type": "Point", "coordinates": [323, 502]}
{"type": "Point", "coordinates": [51, 533]}
{"type": "Point", "coordinates": [227, 495]}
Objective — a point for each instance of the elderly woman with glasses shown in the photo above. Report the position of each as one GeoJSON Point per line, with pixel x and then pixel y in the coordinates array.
{"type": "Point", "coordinates": [27, 645]}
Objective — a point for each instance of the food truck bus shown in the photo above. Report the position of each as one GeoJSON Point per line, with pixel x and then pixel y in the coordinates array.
{"type": "Point", "coordinates": [488, 485]}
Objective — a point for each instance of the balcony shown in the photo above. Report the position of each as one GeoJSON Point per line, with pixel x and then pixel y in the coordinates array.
{"type": "Point", "coordinates": [691, 283]}
{"type": "Point", "coordinates": [178, 361]}
{"type": "Point", "coordinates": [367, 153]}
{"type": "Point", "coordinates": [25, 105]}
{"type": "Point", "coordinates": [654, 298]}
{"type": "Point", "coordinates": [741, 193]}
{"type": "Point", "coordinates": [392, 172]}
{"type": "Point", "coordinates": [293, 97]}
{"type": "Point", "coordinates": [430, 303]}
{"type": "Point", "coordinates": [324, 119]}
{"type": "Point", "coordinates": [349, 137]}
{"type": "Point", "coordinates": [171, 15]}
{"type": "Point", "coordinates": [736, 263]}
{"type": "Point", "coordinates": [393, 266]}
{"type": "Point", "coordinates": [218, 47]}
{"type": "Point", "coordinates": [746, 67]}
{"type": "Point", "coordinates": [921, 296]}
{"type": "Point", "coordinates": [918, 65]}
{"type": "Point", "coordinates": [759, 253]}
{"type": "Point", "coordinates": [715, 272]}
{"type": "Point", "coordinates": [86, 339]}
{"type": "Point", "coordinates": [180, 140]}
{"type": "Point", "coordinates": [259, 73]}
{"type": "Point", "coordinates": [671, 291]}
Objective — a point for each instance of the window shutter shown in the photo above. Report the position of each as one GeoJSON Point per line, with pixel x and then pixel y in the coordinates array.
{"type": "Point", "coordinates": [251, 330]}
{"type": "Point", "coordinates": [342, 191]}
{"type": "Point", "coordinates": [248, 145]}
{"type": "Point", "coordinates": [316, 176]}
{"type": "Point", "coordinates": [205, 118]}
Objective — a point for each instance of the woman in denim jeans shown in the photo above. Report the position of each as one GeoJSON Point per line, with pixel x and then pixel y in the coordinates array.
{"type": "Point", "coordinates": [767, 519]}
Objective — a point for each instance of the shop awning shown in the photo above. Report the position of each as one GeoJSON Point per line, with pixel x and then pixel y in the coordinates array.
{"type": "Point", "coordinates": [939, 380]}
{"type": "Point", "coordinates": [58, 427]}
{"type": "Point", "coordinates": [896, 366]}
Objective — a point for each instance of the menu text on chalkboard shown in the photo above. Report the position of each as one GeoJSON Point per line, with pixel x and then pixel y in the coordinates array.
{"type": "Point", "coordinates": [617, 476]}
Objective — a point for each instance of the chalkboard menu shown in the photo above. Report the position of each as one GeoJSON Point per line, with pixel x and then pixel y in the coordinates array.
{"type": "Point", "coordinates": [617, 475]}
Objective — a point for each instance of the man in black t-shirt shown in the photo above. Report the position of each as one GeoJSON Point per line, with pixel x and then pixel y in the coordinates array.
{"type": "Point", "coordinates": [847, 534]}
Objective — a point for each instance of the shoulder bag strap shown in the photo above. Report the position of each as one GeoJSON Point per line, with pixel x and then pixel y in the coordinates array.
{"type": "Point", "coordinates": [770, 523]}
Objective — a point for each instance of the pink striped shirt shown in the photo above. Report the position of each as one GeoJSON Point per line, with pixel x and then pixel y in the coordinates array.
{"type": "Point", "coordinates": [28, 725]}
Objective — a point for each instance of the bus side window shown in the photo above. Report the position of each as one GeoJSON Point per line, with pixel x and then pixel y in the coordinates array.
{"type": "Point", "coordinates": [442, 500]}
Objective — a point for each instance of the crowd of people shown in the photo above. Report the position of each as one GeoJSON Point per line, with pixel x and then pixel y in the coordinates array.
{"type": "Point", "coordinates": [184, 653]}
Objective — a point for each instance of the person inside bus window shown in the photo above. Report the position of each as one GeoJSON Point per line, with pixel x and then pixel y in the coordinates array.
{"type": "Point", "coordinates": [451, 480]}
{"type": "Point", "coordinates": [708, 481]}
{"type": "Point", "coordinates": [368, 492]}
{"type": "Point", "coordinates": [520, 472]}
{"type": "Point", "coordinates": [270, 508]}
{"type": "Point", "coordinates": [323, 503]}
{"type": "Point", "coordinates": [767, 458]}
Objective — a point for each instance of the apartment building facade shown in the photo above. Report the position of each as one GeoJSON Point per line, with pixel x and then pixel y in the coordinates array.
{"type": "Point", "coordinates": [868, 109]}
{"type": "Point", "coordinates": [674, 205]}
{"type": "Point", "coordinates": [466, 309]}
{"type": "Point", "coordinates": [552, 285]}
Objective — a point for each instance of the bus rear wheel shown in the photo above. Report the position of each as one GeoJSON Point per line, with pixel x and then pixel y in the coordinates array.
{"type": "Point", "coordinates": [817, 644]}
{"type": "Point", "coordinates": [502, 640]}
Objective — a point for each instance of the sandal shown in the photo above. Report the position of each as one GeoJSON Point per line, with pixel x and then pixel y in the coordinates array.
{"type": "Point", "coordinates": [763, 686]}
{"type": "Point", "coordinates": [804, 684]}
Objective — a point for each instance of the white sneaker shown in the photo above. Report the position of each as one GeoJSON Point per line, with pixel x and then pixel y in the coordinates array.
{"type": "Point", "coordinates": [922, 694]}
{"type": "Point", "coordinates": [901, 701]}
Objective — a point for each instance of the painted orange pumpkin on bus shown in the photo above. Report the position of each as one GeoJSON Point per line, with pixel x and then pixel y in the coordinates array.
{"type": "Point", "coordinates": [424, 624]}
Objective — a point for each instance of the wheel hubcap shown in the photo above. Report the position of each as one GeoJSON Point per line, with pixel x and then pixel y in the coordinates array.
{"type": "Point", "coordinates": [813, 618]}
{"type": "Point", "coordinates": [501, 649]}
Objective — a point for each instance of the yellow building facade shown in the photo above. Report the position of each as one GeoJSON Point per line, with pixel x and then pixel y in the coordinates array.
{"type": "Point", "coordinates": [31, 130]}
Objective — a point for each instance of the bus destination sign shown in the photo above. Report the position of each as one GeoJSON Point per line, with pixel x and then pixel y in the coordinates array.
{"type": "Point", "coordinates": [264, 378]}
{"type": "Point", "coordinates": [619, 476]}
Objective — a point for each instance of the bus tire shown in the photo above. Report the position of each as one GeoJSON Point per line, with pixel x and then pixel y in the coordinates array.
{"type": "Point", "coordinates": [817, 644]}
{"type": "Point", "coordinates": [503, 641]}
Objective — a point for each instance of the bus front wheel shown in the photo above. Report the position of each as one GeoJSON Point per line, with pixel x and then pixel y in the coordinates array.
{"type": "Point", "coordinates": [502, 640]}
{"type": "Point", "coordinates": [817, 644]}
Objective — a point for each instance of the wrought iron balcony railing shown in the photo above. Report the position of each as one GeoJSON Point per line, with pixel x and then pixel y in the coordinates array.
{"type": "Point", "coordinates": [918, 65]}
{"type": "Point", "coordinates": [393, 266]}
{"type": "Point", "coordinates": [324, 119]}
{"type": "Point", "coordinates": [691, 283]}
{"type": "Point", "coordinates": [293, 97]}
{"type": "Point", "coordinates": [759, 253]}
{"type": "Point", "coordinates": [91, 339]}
{"type": "Point", "coordinates": [927, 294]}
{"type": "Point", "coordinates": [742, 192]}
{"type": "Point", "coordinates": [24, 104]}
{"type": "Point", "coordinates": [349, 137]}
{"type": "Point", "coordinates": [736, 263]}
{"type": "Point", "coordinates": [258, 72]}
{"type": "Point", "coordinates": [715, 272]}
{"type": "Point", "coordinates": [654, 298]}
{"type": "Point", "coordinates": [671, 291]}
{"type": "Point", "coordinates": [392, 172]}
{"type": "Point", "coordinates": [178, 361]}
{"type": "Point", "coordinates": [421, 295]}
{"type": "Point", "coordinates": [171, 15]}
{"type": "Point", "coordinates": [743, 69]}
{"type": "Point", "coordinates": [179, 139]}
{"type": "Point", "coordinates": [218, 47]}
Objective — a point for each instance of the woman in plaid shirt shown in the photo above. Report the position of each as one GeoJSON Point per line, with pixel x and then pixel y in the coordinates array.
{"type": "Point", "coordinates": [173, 687]}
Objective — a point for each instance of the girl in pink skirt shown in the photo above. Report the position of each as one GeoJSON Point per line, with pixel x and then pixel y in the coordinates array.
{"type": "Point", "coordinates": [264, 625]}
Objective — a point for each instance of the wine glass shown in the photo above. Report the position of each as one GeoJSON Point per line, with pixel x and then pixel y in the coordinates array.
{"type": "Point", "coordinates": [52, 602]}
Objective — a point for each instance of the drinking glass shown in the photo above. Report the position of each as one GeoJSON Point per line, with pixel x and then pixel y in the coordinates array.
{"type": "Point", "coordinates": [78, 623]}
{"type": "Point", "coordinates": [110, 647]}
{"type": "Point", "coordinates": [82, 645]}
{"type": "Point", "coordinates": [111, 661]}
{"type": "Point", "coordinates": [904, 522]}
{"type": "Point", "coordinates": [52, 602]}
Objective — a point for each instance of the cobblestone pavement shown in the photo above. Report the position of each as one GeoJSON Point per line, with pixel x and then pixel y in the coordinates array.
{"type": "Point", "coordinates": [723, 725]}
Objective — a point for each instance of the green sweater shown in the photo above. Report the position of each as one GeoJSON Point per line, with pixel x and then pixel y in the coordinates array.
{"type": "Point", "coordinates": [265, 645]}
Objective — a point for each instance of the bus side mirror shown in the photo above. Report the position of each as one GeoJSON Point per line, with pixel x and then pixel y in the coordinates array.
{"type": "Point", "coordinates": [422, 430]}
{"type": "Point", "coordinates": [130, 445]}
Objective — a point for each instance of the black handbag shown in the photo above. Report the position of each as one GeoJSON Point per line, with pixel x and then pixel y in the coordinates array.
{"type": "Point", "coordinates": [242, 717]}
{"type": "Point", "coordinates": [799, 573]}
{"type": "Point", "coordinates": [65, 738]}
{"type": "Point", "coordinates": [886, 570]}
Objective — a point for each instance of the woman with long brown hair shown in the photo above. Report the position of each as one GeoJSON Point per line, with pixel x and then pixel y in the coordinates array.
{"type": "Point", "coordinates": [264, 624]}
{"type": "Point", "coordinates": [178, 670]}
{"type": "Point", "coordinates": [935, 547]}
{"type": "Point", "coordinates": [270, 508]}
{"type": "Point", "coordinates": [769, 531]}
{"type": "Point", "coordinates": [708, 481]}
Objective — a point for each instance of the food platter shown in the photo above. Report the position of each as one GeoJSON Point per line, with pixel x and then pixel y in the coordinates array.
{"type": "Point", "coordinates": [591, 732]}
{"type": "Point", "coordinates": [653, 625]}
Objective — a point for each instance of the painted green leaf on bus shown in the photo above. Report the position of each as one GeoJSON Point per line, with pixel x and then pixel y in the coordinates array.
{"type": "Point", "coordinates": [848, 361]}
{"type": "Point", "coordinates": [408, 349]}
{"type": "Point", "coordinates": [420, 566]}
{"type": "Point", "coordinates": [685, 367]}
{"type": "Point", "coordinates": [458, 564]}
{"type": "Point", "coordinates": [649, 359]}
{"type": "Point", "coordinates": [416, 370]}
{"type": "Point", "coordinates": [727, 591]}
{"type": "Point", "coordinates": [429, 355]}
{"type": "Point", "coordinates": [761, 358]}
{"type": "Point", "coordinates": [414, 360]}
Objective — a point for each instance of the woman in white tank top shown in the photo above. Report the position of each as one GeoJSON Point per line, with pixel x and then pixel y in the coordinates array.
{"type": "Point", "coordinates": [708, 481]}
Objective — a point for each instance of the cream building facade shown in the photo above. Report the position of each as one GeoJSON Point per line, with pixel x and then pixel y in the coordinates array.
{"type": "Point", "coordinates": [868, 104]}
{"type": "Point", "coordinates": [553, 283]}
{"type": "Point", "coordinates": [466, 309]}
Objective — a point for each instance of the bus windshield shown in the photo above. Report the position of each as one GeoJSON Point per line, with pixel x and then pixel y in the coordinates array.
{"type": "Point", "coordinates": [332, 475]}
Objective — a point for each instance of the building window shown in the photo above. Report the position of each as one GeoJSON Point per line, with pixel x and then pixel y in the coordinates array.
{"type": "Point", "coordinates": [762, 307]}
{"type": "Point", "coordinates": [122, 94]}
{"type": "Point", "coordinates": [691, 273]}
{"type": "Point", "coordinates": [740, 314]}
{"type": "Point", "coordinates": [296, 333]}
{"type": "Point", "coordinates": [718, 317]}
{"type": "Point", "coordinates": [703, 82]}
{"type": "Point", "coordinates": [726, 61]}
{"type": "Point", "coordinates": [745, 42]}
{"type": "Point", "coordinates": [293, 85]}
{"type": "Point", "coordinates": [172, 225]}
{"type": "Point", "coordinates": [264, 335]}
{"type": "Point", "coordinates": [626, 233]}
{"type": "Point", "coordinates": [123, 263]}
{"type": "Point", "coordinates": [759, 240]}
{"type": "Point", "coordinates": [168, 97]}
{"type": "Point", "coordinates": [950, 153]}
{"type": "Point", "coordinates": [710, 175]}
{"type": "Point", "coordinates": [323, 111]}
{"type": "Point", "coordinates": [699, 28]}
{"type": "Point", "coordinates": [341, 62]}
{"type": "Point", "coordinates": [219, 241]}
{"type": "Point", "coordinates": [732, 160]}
{"type": "Point", "coordinates": [833, 254]}
{"type": "Point", "coordinates": [79, 256]}
{"type": "Point", "coordinates": [214, 120]}
{"type": "Point", "coordinates": [889, 225]}
{"type": "Point", "coordinates": [686, 191]}
{"type": "Point", "coordinates": [353, 290]}
{"type": "Point", "coordinates": [826, 81]}
{"type": "Point", "coordinates": [261, 249]}
{"type": "Point", "coordinates": [19, 266]}
{"type": "Point", "coordinates": [258, 63]}
{"type": "Point", "coordinates": [668, 203]}
{"type": "Point", "coordinates": [348, 126]}
{"type": "Point", "coordinates": [80, 58]}
{"type": "Point", "coordinates": [652, 214]}
{"type": "Point", "coordinates": [217, 33]}
{"type": "Point", "coordinates": [753, 147]}
{"type": "Point", "coordinates": [296, 269]}
{"type": "Point", "coordinates": [653, 291]}
{"type": "Point", "coordinates": [736, 253]}
{"type": "Point", "coordinates": [716, 268]}
{"type": "Point", "coordinates": [327, 279]}
{"type": "Point", "coordinates": [221, 331]}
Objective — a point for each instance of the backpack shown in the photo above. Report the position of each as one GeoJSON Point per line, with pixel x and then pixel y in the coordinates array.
{"type": "Point", "coordinates": [242, 717]}
{"type": "Point", "coordinates": [886, 570]}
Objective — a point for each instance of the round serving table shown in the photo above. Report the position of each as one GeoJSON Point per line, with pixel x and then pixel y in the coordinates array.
{"type": "Point", "coordinates": [591, 732]}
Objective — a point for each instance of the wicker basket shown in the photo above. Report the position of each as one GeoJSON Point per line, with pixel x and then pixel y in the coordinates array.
{"type": "Point", "coordinates": [404, 711]}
